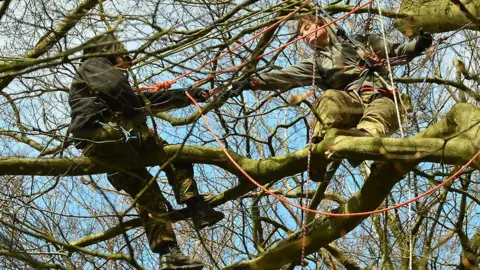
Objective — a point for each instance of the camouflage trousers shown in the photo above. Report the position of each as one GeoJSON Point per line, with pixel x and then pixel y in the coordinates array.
{"type": "Point", "coordinates": [151, 205]}
{"type": "Point", "coordinates": [345, 110]}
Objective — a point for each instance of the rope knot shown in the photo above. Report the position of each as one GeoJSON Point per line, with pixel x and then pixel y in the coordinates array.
{"type": "Point", "coordinates": [158, 86]}
{"type": "Point", "coordinates": [164, 85]}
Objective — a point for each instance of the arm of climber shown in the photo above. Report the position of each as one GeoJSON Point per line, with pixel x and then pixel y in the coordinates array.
{"type": "Point", "coordinates": [288, 78]}
{"type": "Point", "coordinates": [410, 49]}
{"type": "Point", "coordinates": [161, 101]}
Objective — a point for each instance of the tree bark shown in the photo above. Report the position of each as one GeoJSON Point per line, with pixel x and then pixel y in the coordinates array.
{"type": "Point", "coordinates": [436, 16]}
{"type": "Point", "coordinates": [461, 122]}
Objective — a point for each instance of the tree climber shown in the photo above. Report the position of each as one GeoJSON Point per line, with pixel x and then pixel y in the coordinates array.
{"type": "Point", "coordinates": [355, 100]}
{"type": "Point", "coordinates": [103, 102]}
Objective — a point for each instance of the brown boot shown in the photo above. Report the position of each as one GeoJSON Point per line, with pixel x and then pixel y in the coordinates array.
{"type": "Point", "coordinates": [202, 214]}
{"type": "Point", "coordinates": [354, 132]}
{"type": "Point", "coordinates": [172, 258]}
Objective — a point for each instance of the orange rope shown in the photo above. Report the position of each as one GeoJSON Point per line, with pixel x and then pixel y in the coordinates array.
{"type": "Point", "coordinates": [319, 212]}
{"type": "Point", "coordinates": [155, 88]}
{"type": "Point", "coordinates": [159, 86]}
{"type": "Point", "coordinates": [167, 84]}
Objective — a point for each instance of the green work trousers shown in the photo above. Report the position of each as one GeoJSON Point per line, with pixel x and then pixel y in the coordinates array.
{"type": "Point", "coordinates": [345, 110]}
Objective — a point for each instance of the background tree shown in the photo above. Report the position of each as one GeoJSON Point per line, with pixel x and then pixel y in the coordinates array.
{"type": "Point", "coordinates": [58, 210]}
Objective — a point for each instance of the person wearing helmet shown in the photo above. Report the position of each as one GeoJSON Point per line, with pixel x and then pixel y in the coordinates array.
{"type": "Point", "coordinates": [103, 104]}
{"type": "Point", "coordinates": [356, 101]}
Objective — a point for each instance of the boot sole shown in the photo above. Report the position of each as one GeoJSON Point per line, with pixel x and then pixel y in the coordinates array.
{"type": "Point", "coordinates": [185, 267]}
{"type": "Point", "coordinates": [209, 222]}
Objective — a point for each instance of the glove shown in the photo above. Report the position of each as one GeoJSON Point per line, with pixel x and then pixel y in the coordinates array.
{"type": "Point", "coordinates": [237, 87]}
{"type": "Point", "coordinates": [199, 94]}
{"type": "Point", "coordinates": [424, 41]}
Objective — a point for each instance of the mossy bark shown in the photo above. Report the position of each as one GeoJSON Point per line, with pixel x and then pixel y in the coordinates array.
{"type": "Point", "coordinates": [461, 123]}
{"type": "Point", "coordinates": [436, 16]}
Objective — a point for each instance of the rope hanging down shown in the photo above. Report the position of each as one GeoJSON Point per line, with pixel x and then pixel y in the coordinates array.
{"type": "Point", "coordinates": [309, 157]}
{"type": "Point", "coordinates": [396, 101]}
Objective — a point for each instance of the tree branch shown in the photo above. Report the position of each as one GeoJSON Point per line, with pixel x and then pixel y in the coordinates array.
{"type": "Point", "coordinates": [321, 232]}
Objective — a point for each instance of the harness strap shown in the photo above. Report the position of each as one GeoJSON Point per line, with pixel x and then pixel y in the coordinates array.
{"type": "Point", "coordinates": [384, 92]}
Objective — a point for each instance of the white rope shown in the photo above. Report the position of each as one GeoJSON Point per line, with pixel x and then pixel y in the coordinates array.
{"type": "Point", "coordinates": [410, 238]}
{"type": "Point", "coordinates": [304, 221]}
{"type": "Point", "coordinates": [392, 84]}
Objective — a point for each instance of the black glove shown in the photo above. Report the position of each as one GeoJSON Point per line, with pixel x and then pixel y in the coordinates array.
{"type": "Point", "coordinates": [199, 94]}
{"type": "Point", "coordinates": [424, 41]}
{"type": "Point", "coordinates": [237, 87]}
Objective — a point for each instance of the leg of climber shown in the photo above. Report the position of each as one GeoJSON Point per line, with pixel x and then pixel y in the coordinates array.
{"type": "Point", "coordinates": [379, 118]}
{"type": "Point", "coordinates": [180, 177]}
{"type": "Point", "coordinates": [151, 206]}
{"type": "Point", "coordinates": [337, 109]}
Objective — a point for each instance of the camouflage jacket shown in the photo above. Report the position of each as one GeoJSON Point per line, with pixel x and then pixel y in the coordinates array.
{"type": "Point", "coordinates": [338, 65]}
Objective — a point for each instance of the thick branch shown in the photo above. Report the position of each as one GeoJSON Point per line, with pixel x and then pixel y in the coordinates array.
{"type": "Point", "coordinates": [435, 16]}
{"type": "Point", "coordinates": [465, 11]}
{"type": "Point", "coordinates": [461, 121]}
{"type": "Point", "coordinates": [455, 151]}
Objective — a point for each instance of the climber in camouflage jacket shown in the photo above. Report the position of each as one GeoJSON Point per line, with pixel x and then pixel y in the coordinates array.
{"type": "Point", "coordinates": [103, 102]}
{"type": "Point", "coordinates": [356, 100]}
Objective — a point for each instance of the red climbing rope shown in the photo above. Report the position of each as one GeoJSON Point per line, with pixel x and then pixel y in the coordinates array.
{"type": "Point", "coordinates": [319, 212]}
{"type": "Point", "coordinates": [171, 82]}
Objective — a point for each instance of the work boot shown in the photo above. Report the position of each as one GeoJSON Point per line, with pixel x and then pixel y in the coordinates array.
{"type": "Point", "coordinates": [354, 132]}
{"type": "Point", "coordinates": [173, 259]}
{"type": "Point", "coordinates": [202, 214]}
